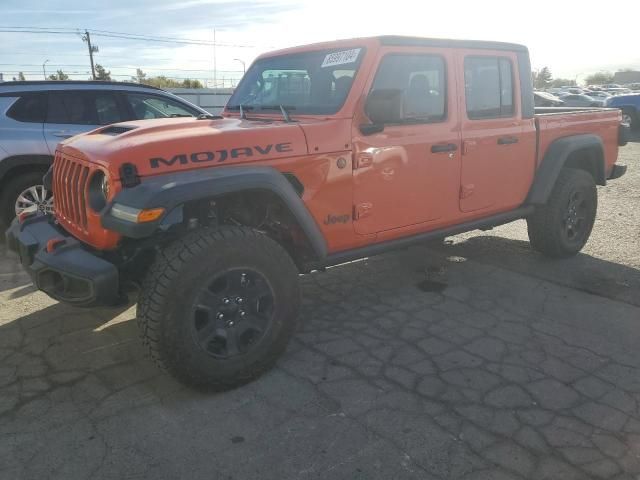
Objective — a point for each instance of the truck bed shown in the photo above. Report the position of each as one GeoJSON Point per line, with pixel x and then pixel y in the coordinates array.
{"type": "Point", "coordinates": [553, 123]}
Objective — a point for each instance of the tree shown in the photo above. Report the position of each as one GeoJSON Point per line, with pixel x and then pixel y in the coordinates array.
{"type": "Point", "coordinates": [192, 84]}
{"type": "Point", "coordinates": [102, 73]}
{"type": "Point", "coordinates": [140, 76]}
{"type": "Point", "coordinates": [542, 79]}
{"type": "Point", "coordinates": [59, 75]}
{"type": "Point", "coordinates": [599, 78]}
{"type": "Point", "coordinates": [162, 81]}
{"type": "Point", "coordinates": [563, 82]}
{"type": "Point", "coordinates": [20, 78]}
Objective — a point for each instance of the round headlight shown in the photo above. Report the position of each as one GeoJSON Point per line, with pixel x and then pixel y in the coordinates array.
{"type": "Point", "coordinates": [104, 186]}
{"type": "Point", "coordinates": [98, 191]}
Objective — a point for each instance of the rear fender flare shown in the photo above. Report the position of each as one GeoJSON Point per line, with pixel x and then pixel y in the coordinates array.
{"type": "Point", "coordinates": [170, 191]}
{"type": "Point", "coordinates": [555, 159]}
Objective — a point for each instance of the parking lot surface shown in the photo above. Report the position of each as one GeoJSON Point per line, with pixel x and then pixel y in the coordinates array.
{"type": "Point", "coordinates": [477, 359]}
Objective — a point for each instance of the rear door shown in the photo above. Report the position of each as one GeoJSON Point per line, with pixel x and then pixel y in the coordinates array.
{"type": "Point", "coordinates": [72, 112]}
{"type": "Point", "coordinates": [498, 145]}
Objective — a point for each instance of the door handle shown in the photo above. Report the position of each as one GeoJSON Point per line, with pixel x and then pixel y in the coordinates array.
{"type": "Point", "coordinates": [507, 140]}
{"type": "Point", "coordinates": [62, 135]}
{"type": "Point", "coordinates": [444, 147]}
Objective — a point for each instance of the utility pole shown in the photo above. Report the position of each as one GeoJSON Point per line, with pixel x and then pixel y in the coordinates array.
{"type": "Point", "coordinates": [44, 71]}
{"type": "Point", "coordinates": [215, 70]}
{"type": "Point", "coordinates": [92, 49]}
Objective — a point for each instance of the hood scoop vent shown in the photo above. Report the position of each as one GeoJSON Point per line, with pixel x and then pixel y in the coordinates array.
{"type": "Point", "coordinates": [116, 129]}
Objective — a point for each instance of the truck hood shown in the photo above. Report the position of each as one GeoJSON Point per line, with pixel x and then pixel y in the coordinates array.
{"type": "Point", "coordinates": [167, 145]}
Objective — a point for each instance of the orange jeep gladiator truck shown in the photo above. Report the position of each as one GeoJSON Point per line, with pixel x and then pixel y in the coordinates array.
{"type": "Point", "coordinates": [324, 154]}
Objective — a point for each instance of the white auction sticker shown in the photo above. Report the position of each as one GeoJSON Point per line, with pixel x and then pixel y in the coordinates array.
{"type": "Point", "coordinates": [340, 58]}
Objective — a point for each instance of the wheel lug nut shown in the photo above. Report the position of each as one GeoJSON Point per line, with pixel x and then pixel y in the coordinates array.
{"type": "Point", "coordinates": [242, 313]}
{"type": "Point", "coordinates": [220, 316]}
{"type": "Point", "coordinates": [226, 301]}
{"type": "Point", "coordinates": [230, 323]}
{"type": "Point", "coordinates": [239, 300]}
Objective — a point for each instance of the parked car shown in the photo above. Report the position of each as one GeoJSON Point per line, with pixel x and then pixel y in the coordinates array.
{"type": "Point", "coordinates": [219, 217]}
{"type": "Point", "coordinates": [573, 100]}
{"type": "Point", "coordinates": [546, 99]}
{"type": "Point", "coordinates": [573, 90]}
{"type": "Point", "coordinates": [618, 91]}
{"type": "Point", "coordinates": [598, 94]}
{"type": "Point", "coordinates": [36, 116]}
{"type": "Point", "coordinates": [630, 106]}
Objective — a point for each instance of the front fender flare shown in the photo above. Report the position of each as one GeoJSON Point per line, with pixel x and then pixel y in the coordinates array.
{"type": "Point", "coordinates": [172, 190]}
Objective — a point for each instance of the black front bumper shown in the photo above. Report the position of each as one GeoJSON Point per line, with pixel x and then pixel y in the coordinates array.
{"type": "Point", "coordinates": [70, 272]}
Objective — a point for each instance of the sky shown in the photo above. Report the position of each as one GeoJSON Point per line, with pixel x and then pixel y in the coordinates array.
{"type": "Point", "coordinates": [572, 38]}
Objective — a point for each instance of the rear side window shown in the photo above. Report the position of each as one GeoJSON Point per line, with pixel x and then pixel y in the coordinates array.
{"type": "Point", "coordinates": [422, 81]}
{"type": "Point", "coordinates": [30, 108]}
{"type": "Point", "coordinates": [83, 108]}
{"type": "Point", "coordinates": [488, 87]}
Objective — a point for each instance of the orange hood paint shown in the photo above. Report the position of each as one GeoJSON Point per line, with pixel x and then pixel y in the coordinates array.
{"type": "Point", "coordinates": [177, 144]}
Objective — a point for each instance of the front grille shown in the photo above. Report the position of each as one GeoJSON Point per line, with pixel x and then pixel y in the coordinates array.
{"type": "Point", "coordinates": [70, 178]}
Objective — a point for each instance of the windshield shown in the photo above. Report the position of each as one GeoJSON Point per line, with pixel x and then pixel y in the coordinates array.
{"type": "Point", "coordinates": [304, 83]}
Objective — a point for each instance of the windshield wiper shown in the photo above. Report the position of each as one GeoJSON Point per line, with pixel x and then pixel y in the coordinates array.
{"type": "Point", "coordinates": [285, 114]}
{"type": "Point", "coordinates": [284, 109]}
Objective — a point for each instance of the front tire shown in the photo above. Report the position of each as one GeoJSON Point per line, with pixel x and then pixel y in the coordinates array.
{"type": "Point", "coordinates": [562, 226]}
{"type": "Point", "coordinates": [218, 307]}
{"type": "Point", "coordinates": [24, 193]}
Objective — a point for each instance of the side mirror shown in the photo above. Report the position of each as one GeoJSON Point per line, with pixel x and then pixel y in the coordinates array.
{"type": "Point", "coordinates": [383, 106]}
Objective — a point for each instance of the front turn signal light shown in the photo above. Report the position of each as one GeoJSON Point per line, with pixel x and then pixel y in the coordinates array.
{"type": "Point", "coordinates": [150, 215]}
{"type": "Point", "coordinates": [136, 215]}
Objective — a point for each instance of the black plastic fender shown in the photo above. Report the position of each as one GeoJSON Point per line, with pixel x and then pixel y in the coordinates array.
{"type": "Point", "coordinates": [555, 159]}
{"type": "Point", "coordinates": [171, 191]}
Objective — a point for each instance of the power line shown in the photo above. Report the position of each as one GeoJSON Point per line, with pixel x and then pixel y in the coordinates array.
{"type": "Point", "coordinates": [122, 35]}
{"type": "Point", "coordinates": [123, 67]}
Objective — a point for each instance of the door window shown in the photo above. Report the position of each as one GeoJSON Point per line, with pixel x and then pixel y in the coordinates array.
{"type": "Point", "coordinates": [489, 87]}
{"type": "Point", "coordinates": [146, 106]}
{"type": "Point", "coordinates": [422, 81]}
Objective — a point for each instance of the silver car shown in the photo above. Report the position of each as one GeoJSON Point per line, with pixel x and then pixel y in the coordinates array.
{"type": "Point", "coordinates": [35, 116]}
{"type": "Point", "coordinates": [573, 100]}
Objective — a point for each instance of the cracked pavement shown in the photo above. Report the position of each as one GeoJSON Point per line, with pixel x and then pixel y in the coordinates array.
{"type": "Point", "coordinates": [477, 359]}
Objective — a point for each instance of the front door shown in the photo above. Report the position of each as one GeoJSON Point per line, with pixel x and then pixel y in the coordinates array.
{"type": "Point", "coordinates": [498, 145]}
{"type": "Point", "coordinates": [404, 174]}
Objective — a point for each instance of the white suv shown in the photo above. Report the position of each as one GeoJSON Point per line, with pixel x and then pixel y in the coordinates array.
{"type": "Point", "coordinates": [35, 116]}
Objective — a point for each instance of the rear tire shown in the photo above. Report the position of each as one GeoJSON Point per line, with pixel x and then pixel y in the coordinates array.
{"type": "Point", "coordinates": [562, 227]}
{"type": "Point", "coordinates": [218, 307]}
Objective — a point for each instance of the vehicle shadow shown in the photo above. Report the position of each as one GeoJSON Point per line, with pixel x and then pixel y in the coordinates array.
{"type": "Point", "coordinates": [582, 272]}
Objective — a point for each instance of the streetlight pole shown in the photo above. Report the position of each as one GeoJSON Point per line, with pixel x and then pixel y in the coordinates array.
{"type": "Point", "coordinates": [244, 69]}
{"type": "Point", "coordinates": [44, 72]}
